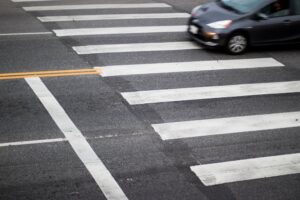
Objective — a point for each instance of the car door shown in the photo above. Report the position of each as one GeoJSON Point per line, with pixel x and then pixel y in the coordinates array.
{"type": "Point", "coordinates": [295, 20]}
{"type": "Point", "coordinates": [273, 25]}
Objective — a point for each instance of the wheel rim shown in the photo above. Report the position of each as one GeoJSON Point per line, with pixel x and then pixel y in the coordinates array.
{"type": "Point", "coordinates": [237, 44]}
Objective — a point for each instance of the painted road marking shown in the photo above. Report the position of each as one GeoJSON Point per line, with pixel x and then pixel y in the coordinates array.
{"type": "Point", "coordinates": [126, 70]}
{"type": "Point", "coordinates": [57, 140]}
{"type": "Point", "coordinates": [119, 30]}
{"type": "Point", "coordinates": [57, 73]}
{"type": "Point", "coordinates": [96, 6]}
{"type": "Point", "coordinates": [19, 1]}
{"type": "Point", "coordinates": [26, 34]}
{"type": "Point", "coordinates": [136, 47]}
{"type": "Point", "coordinates": [84, 151]}
{"type": "Point", "coordinates": [221, 126]}
{"type": "Point", "coordinates": [113, 17]}
{"type": "Point", "coordinates": [212, 92]}
{"type": "Point", "coordinates": [249, 169]}
{"type": "Point", "coordinates": [22, 143]}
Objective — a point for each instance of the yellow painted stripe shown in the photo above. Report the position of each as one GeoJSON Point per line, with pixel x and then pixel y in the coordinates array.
{"type": "Point", "coordinates": [56, 73]}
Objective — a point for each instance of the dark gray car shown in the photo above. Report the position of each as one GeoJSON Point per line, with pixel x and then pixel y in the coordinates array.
{"type": "Point", "coordinates": [237, 24]}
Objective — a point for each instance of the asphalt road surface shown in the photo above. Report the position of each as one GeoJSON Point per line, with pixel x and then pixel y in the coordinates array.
{"type": "Point", "coordinates": [110, 99]}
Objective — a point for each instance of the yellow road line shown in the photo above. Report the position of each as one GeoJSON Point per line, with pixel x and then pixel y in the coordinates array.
{"type": "Point", "coordinates": [56, 73]}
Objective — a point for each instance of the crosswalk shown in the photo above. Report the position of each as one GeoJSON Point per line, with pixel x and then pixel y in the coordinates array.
{"type": "Point", "coordinates": [135, 47]}
{"type": "Point", "coordinates": [209, 174]}
{"type": "Point", "coordinates": [95, 6]}
{"type": "Point", "coordinates": [196, 66]}
{"type": "Point", "coordinates": [249, 169]}
{"type": "Point", "coordinates": [74, 18]}
{"type": "Point", "coordinates": [210, 127]}
{"type": "Point", "coordinates": [200, 93]}
{"type": "Point", "coordinates": [119, 31]}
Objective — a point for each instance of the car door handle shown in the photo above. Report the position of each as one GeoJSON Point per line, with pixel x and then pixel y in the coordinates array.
{"type": "Point", "coordinates": [287, 21]}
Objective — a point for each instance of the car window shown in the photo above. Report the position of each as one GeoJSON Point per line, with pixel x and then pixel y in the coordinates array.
{"type": "Point", "coordinates": [243, 6]}
{"type": "Point", "coordinates": [296, 7]}
{"type": "Point", "coordinates": [279, 8]}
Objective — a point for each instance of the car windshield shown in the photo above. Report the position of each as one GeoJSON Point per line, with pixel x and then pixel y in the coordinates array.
{"type": "Point", "coordinates": [242, 6]}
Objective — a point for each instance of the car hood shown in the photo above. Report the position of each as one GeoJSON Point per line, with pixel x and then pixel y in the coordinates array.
{"type": "Point", "coordinates": [212, 12]}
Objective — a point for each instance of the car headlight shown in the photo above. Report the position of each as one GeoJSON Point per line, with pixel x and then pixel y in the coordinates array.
{"type": "Point", "coordinates": [220, 24]}
{"type": "Point", "coordinates": [195, 10]}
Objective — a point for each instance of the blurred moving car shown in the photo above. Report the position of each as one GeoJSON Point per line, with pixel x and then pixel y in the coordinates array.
{"type": "Point", "coordinates": [237, 24]}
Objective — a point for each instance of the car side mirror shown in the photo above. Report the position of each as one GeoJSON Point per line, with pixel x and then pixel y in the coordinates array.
{"type": "Point", "coordinates": [261, 16]}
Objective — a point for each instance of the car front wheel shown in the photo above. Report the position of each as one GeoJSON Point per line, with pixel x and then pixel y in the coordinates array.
{"type": "Point", "coordinates": [237, 44]}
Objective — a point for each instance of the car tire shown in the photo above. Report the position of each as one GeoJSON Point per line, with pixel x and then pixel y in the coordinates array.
{"type": "Point", "coordinates": [237, 44]}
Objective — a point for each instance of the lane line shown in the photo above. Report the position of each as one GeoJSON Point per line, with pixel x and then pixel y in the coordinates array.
{"type": "Point", "coordinates": [119, 30]}
{"type": "Point", "coordinates": [126, 70]}
{"type": "Point", "coordinates": [55, 73]}
{"type": "Point", "coordinates": [26, 34]}
{"type": "Point", "coordinates": [211, 92]}
{"type": "Point", "coordinates": [84, 151]}
{"type": "Point", "coordinates": [96, 6]}
{"type": "Point", "coordinates": [20, 1]}
{"type": "Point", "coordinates": [22, 143]}
{"type": "Point", "coordinates": [50, 75]}
{"type": "Point", "coordinates": [221, 126]}
{"type": "Point", "coordinates": [57, 140]}
{"type": "Point", "coordinates": [113, 17]}
{"type": "Point", "coordinates": [46, 72]}
{"type": "Point", "coordinates": [248, 169]}
{"type": "Point", "coordinates": [136, 47]}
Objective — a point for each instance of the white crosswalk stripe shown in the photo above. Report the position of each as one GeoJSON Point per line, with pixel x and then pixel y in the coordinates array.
{"type": "Point", "coordinates": [119, 30]}
{"type": "Point", "coordinates": [200, 93]}
{"type": "Point", "coordinates": [221, 126]}
{"type": "Point", "coordinates": [136, 47]}
{"type": "Point", "coordinates": [196, 66]}
{"type": "Point", "coordinates": [113, 17]}
{"type": "Point", "coordinates": [95, 6]}
{"type": "Point", "coordinates": [249, 169]}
